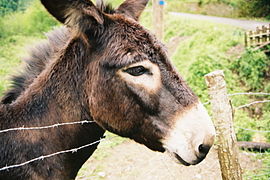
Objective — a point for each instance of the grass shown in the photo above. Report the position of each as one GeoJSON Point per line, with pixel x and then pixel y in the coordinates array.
{"type": "Point", "coordinates": [19, 30]}
{"type": "Point", "coordinates": [263, 173]}
{"type": "Point", "coordinates": [11, 52]}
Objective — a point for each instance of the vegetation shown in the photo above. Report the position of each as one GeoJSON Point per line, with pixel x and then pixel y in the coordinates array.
{"type": "Point", "coordinates": [205, 47]}
{"type": "Point", "coordinates": [226, 8]}
{"type": "Point", "coordinates": [7, 6]}
{"type": "Point", "coordinates": [254, 8]}
{"type": "Point", "coordinates": [16, 31]}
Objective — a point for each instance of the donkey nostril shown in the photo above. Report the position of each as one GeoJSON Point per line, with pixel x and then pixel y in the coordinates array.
{"type": "Point", "coordinates": [203, 149]}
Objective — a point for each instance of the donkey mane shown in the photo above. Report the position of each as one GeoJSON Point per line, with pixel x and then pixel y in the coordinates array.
{"type": "Point", "coordinates": [40, 55]}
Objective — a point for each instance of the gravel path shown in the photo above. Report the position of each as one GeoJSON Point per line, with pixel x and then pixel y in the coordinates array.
{"type": "Point", "coordinates": [245, 24]}
{"type": "Point", "coordinates": [132, 161]}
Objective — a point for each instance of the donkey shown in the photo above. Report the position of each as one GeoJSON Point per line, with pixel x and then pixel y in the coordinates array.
{"type": "Point", "coordinates": [105, 68]}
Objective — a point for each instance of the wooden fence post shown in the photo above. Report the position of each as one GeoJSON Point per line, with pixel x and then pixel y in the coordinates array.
{"type": "Point", "coordinates": [158, 13]}
{"type": "Point", "coordinates": [222, 117]}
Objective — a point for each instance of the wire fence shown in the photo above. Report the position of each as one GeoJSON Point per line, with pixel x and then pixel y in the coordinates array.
{"type": "Point", "coordinates": [250, 104]}
{"type": "Point", "coordinates": [46, 127]}
{"type": "Point", "coordinates": [263, 156]}
{"type": "Point", "coordinates": [74, 150]}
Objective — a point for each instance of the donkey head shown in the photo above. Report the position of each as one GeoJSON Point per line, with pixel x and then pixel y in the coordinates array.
{"type": "Point", "coordinates": [131, 87]}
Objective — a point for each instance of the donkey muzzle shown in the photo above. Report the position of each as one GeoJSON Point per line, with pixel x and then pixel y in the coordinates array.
{"type": "Point", "coordinates": [192, 135]}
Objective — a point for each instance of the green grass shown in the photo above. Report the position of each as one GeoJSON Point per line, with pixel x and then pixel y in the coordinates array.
{"type": "Point", "coordinates": [17, 31]}
{"type": "Point", "coordinates": [263, 173]}
{"type": "Point", "coordinates": [204, 49]}
{"type": "Point", "coordinates": [11, 51]}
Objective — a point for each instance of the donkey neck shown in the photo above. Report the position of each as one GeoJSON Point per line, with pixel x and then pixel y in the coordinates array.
{"type": "Point", "coordinates": [56, 95]}
{"type": "Point", "coordinates": [57, 91]}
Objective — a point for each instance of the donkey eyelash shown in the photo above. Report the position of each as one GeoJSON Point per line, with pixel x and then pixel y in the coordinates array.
{"type": "Point", "coordinates": [137, 71]}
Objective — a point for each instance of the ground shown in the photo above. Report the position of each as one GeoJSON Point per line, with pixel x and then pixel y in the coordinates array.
{"type": "Point", "coordinates": [132, 161]}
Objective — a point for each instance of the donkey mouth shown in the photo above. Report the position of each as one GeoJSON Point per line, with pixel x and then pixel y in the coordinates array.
{"type": "Point", "coordinates": [181, 160]}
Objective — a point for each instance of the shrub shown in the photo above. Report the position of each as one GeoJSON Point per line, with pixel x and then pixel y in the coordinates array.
{"type": "Point", "coordinates": [204, 65]}
{"type": "Point", "coordinates": [254, 8]}
{"type": "Point", "coordinates": [8, 6]}
{"type": "Point", "coordinates": [252, 68]}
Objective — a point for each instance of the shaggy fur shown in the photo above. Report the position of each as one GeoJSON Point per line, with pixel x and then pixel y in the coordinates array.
{"type": "Point", "coordinates": [40, 55]}
{"type": "Point", "coordinates": [73, 77]}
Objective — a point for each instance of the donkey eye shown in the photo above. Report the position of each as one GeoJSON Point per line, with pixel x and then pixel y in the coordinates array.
{"type": "Point", "coordinates": [137, 71]}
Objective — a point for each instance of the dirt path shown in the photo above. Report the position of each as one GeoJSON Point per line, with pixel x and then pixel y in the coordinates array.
{"type": "Point", "coordinates": [245, 24]}
{"type": "Point", "coordinates": [132, 161]}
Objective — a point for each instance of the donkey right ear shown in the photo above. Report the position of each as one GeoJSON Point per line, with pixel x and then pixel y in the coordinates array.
{"type": "Point", "coordinates": [74, 12]}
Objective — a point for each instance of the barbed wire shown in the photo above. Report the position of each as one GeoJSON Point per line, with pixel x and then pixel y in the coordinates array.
{"type": "Point", "coordinates": [74, 150]}
{"type": "Point", "coordinates": [258, 175]}
{"type": "Point", "coordinates": [262, 131]}
{"type": "Point", "coordinates": [250, 93]}
{"type": "Point", "coordinates": [45, 127]}
{"type": "Point", "coordinates": [243, 93]}
{"type": "Point", "coordinates": [249, 104]}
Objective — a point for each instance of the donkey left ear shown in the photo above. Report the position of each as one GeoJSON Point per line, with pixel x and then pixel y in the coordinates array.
{"type": "Point", "coordinates": [132, 8]}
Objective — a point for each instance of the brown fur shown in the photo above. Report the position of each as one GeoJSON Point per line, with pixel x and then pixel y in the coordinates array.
{"type": "Point", "coordinates": [79, 82]}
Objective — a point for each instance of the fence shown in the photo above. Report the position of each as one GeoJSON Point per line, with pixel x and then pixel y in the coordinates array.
{"type": "Point", "coordinates": [258, 38]}
{"type": "Point", "coordinates": [226, 129]}
{"type": "Point", "coordinates": [158, 18]}
{"type": "Point", "coordinates": [223, 116]}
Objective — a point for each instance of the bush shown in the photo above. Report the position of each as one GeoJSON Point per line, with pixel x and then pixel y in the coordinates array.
{"type": "Point", "coordinates": [252, 68]}
{"type": "Point", "coordinates": [8, 6]}
{"type": "Point", "coordinates": [254, 8]}
{"type": "Point", "coordinates": [201, 67]}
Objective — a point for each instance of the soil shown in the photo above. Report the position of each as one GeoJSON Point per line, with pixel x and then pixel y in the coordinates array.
{"type": "Point", "coordinates": [132, 161]}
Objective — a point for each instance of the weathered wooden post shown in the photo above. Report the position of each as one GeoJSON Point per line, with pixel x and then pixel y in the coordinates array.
{"type": "Point", "coordinates": [222, 117]}
{"type": "Point", "coordinates": [246, 39]}
{"type": "Point", "coordinates": [158, 15]}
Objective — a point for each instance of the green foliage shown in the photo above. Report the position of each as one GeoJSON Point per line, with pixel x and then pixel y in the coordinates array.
{"type": "Point", "coordinates": [31, 22]}
{"type": "Point", "coordinates": [204, 48]}
{"type": "Point", "coordinates": [254, 8]}
{"type": "Point", "coordinates": [202, 66]}
{"type": "Point", "coordinates": [252, 68]}
{"type": "Point", "coordinates": [115, 3]}
{"type": "Point", "coordinates": [16, 31]}
{"type": "Point", "coordinates": [263, 172]}
{"type": "Point", "coordinates": [8, 6]}
{"type": "Point", "coordinates": [242, 120]}
{"type": "Point", "coordinates": [225, 8]}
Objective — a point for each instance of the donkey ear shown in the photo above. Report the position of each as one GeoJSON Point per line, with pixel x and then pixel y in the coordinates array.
{"type": "Point", "coordinates": [132, 8]}
{"type": "Point", "coordinates": [73, 12]}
